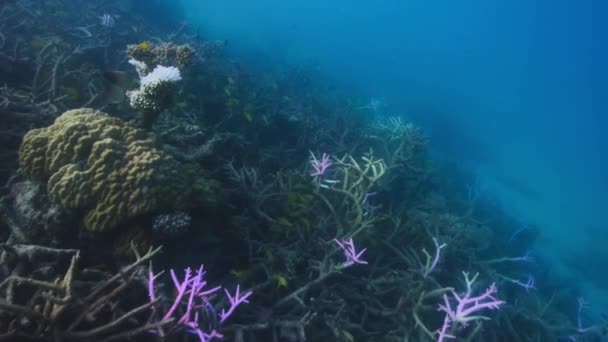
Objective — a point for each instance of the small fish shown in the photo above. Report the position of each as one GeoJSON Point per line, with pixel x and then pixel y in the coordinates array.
{"type": "Point", "coordinates": [116, 83]}
{"type": "Point", "coordinates": [107, 20]}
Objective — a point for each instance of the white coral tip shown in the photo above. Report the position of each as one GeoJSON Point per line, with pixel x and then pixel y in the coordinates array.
{"type": "Point", "coordinates": [160, 74]}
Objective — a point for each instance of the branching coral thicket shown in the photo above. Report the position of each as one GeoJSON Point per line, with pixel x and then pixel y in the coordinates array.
{"type": "Point", "coordinates": [354, 186]}
{"type": "Point", "coordinates": [111, 170]}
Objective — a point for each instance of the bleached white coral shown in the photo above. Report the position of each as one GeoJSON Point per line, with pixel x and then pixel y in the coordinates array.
{"type": "Point", "coordinates": [141, 67]}
{"type": "Point", "coordinates": [155, 92]}
{"type": "Point", "coordinates": [161, 73]}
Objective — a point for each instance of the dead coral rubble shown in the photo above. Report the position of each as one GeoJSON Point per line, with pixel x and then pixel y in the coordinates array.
{"type": "Point", "coordinates": [46, 296]}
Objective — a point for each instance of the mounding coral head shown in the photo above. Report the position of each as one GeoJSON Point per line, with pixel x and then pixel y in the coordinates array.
{"type": "Point", "coordinates": [108, 169]}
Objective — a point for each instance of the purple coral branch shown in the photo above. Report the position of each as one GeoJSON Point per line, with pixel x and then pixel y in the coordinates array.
{"type": "Point", "coordinates": [235, 301]}
{"type": "Point", "coordinates": [151, 279]}
{"type": "Point", "coordinates": [350, 251]}
{"type": "Point", "coordinates": [181, 291]}
{"type": "Point", "coordinates": [194, 288]}
{"type": "Point", "coordinates": [320, 166]}
{"type": "Point", "coordinates": [467, 305]}
{"type": "Point", "coordinates": [443, 332]}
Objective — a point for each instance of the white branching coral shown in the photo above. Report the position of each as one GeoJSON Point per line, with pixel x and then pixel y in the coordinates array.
{"type": "Point", "coordinates": [155, 91]}
{"type": "Point", "coordinates": [141, 67]}
{"type": "Point", "coordinates": [161, 73]}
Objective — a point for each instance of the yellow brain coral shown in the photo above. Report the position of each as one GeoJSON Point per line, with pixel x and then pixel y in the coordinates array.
{"type": "Point", "coordinates": [113, 171]}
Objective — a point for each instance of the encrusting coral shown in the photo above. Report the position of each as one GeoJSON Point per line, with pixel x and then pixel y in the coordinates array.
{"type": "Point", "coordinates": [109, 169]}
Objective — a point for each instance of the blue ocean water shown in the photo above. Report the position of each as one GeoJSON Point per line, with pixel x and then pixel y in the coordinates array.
{"type": "Point", "coordinates": [515, 90]}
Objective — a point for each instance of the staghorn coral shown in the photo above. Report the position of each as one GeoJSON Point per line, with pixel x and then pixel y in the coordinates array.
{"type": "Point", "coordinates": [112, 171]}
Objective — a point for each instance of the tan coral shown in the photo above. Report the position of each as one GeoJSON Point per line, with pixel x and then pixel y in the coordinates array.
{"type": "Point", "coordinates": [111, 170]}
{"type": "Point", "coordinates": [167, 54]}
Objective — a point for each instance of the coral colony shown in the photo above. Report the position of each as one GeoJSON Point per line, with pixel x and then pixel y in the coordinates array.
{"type": "Point", "coordinates": [467, 307]}
{"type": "Point", "coordinates": [320, 168]}
{"type": "Point", "coordinates": [193, 296]}
{"type": "Point", "coordinates": [350, 252]}
{"type": "Point", "coordinates": [154, 87]}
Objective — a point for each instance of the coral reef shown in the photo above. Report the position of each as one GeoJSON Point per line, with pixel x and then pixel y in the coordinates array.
{"type": "Point", "coordinates": [97, 163]}
{"type": "Point", "coordinates": [334, 216]}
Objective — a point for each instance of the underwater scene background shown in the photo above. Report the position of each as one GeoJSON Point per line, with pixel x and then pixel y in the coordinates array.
{"type": "Point", "coordinates": [303, 170]}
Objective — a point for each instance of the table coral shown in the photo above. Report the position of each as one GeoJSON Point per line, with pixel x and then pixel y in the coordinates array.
{"type": "Point", "coordinates": [109, 169]}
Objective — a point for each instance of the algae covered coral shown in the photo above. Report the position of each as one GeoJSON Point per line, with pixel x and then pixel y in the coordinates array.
{"type": "Point", "coordinates": [112, 171]}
